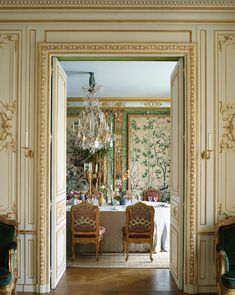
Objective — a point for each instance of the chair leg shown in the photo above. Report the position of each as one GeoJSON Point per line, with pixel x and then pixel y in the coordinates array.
{"type": "Point", "coordinates": [101, 247]}
{"type": "Point", "coordinates": [73, 251]}
{"type": "Point", "coordinates": [14, 289]}
{"type": "Point", "coordinates": [151, 252]}
{"type": "Point", "coordinates": [124, 247]}
{"type": "Point", "coordinates": [97, 250]}
{"type": "Point", "coordinates": [127, 252]}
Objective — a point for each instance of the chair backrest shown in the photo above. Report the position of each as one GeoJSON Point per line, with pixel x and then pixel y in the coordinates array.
{"type": "Point", "coordinates": [85, 219]}
{"type": "Point", "coordinates": [8, 232]}
{"type": "Point", "coordinates": [152, 192]}
{"type": "Point", "coordinates": [226, 238]}
{"type": "Point", "coordinates": [140, 218]}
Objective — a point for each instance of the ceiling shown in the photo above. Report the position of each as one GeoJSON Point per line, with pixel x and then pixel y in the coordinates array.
{"type": "Point", "coordinates": [121, 78]}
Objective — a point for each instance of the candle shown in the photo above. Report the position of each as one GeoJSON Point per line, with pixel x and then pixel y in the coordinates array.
{"type": "Point", "coordinates": [26, 138]}
{"type": "Point", "coordinates": [90, 166]}
{"type": "Point", "coordinates": [96, 168]}
{"type": "Point", "coordinates": [73, 127]}
{"type": "Point", "coordinates": [209, 143]}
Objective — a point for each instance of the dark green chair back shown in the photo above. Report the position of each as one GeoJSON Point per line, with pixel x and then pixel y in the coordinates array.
{"type": "Point", "coordinates": [7, 237]}
{"type": "Point", "coordinates": [227, 241]}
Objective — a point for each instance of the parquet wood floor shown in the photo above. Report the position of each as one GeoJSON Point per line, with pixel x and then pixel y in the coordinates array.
{"type": "Point", "coordinates": [84, 281]}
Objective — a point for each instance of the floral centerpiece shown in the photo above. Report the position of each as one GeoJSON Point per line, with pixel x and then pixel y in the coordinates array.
{"type": "Point", "coordinates": [73, 197]}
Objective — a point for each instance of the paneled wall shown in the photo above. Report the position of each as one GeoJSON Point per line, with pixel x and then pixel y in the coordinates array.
{"type": "Point", "coordinates": [18, 98]}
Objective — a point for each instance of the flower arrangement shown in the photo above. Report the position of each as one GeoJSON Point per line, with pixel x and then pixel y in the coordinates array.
{"type": "Point", "coordinates": [74, 194]}
{"type": "Point", "coordinates": [73, 197]}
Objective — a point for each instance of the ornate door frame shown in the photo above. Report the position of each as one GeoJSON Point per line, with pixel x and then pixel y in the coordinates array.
{"type": "Point", "coordinates": [49, 50]}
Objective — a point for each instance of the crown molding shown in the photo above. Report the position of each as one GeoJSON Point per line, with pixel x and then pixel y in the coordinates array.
{"type": "Point", "coordinates": [110, 4]}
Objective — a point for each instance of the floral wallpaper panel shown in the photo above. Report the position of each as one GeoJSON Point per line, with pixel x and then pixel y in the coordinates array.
{"type": "Point", "coordinates": [149, 152]}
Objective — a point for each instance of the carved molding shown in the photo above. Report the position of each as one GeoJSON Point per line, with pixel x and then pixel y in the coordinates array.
{"type": "Point", "coordinates": [8, 39]}
{"type": "Point", "coordinates": [60, 212]}
{"type": "Point", "coordinates": [7, 111]}
{"type": "Point", "coordinates": [46, 51]}
{"type": "Point", "coordinates": [225, 40]}
{"type": "Point", "coordinates": [227, 112]}
{"type": "Point", "coordinates": [110, 4]}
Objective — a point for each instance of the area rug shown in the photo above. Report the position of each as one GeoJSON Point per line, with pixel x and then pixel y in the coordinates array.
{"type": "Point", "coordinates": [117, 260]}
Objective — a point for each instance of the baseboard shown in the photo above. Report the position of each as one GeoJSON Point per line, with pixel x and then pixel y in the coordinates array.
{"type": "Point", "coordinates": [43, 288]}
{"type": "Point", "coordinates": [190, 289]}
{"type": "Point", "coordinates": [207, 289]}
{"type": "Point", "coordinates": [25, 288]}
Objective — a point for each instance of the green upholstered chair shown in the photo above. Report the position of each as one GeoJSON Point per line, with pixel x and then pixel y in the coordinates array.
{"type": "Point", "coordinates": [8, 247]}
{"type": "Point", "coordinates": [225, 259]}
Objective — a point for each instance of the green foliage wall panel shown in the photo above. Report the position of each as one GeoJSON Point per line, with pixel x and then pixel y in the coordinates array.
{"type": "Point", "coordinates": [145, 167]}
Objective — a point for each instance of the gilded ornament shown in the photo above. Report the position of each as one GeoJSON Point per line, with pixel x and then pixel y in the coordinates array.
{"type": "Point", "coordinates": [227, 112]}
{"type": "Point", "coordinates": [188, 50]}
{"type": "Point", "coordinates": [7, 111]}
{"type": "Point", "coordinates": [110, 4]}
{"type": "Point", "coordinates": [223, 41]}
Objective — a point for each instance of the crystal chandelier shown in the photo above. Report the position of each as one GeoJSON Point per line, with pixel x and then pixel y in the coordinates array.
{"type": "Point", "coordinates": [91, 130]}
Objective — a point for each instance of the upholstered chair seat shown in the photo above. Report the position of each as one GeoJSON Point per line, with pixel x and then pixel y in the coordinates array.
{"type": "Point", "coordinates": [226, 256]}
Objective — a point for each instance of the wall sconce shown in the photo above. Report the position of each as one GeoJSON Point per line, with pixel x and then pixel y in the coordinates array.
{"type": "Point", "coordinates": [28, 152]}
{"type": "Point", "coordinates": [206, 154]}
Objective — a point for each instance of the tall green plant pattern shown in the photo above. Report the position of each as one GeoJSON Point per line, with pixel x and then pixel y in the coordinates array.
{"type": "Point", "coordinates": [149, 153]}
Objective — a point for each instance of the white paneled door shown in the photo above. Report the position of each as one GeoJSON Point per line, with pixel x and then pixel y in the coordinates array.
{"type": "Point", "coordinates": [177, 168]}
{"type": "Point", "coordinates": [58, 174]}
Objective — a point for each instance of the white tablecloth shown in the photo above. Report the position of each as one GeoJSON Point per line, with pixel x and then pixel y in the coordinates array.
{"type": "Point", "coordinates": [113, 219]}
{"type": "Point", "coordinates": [162, 226]}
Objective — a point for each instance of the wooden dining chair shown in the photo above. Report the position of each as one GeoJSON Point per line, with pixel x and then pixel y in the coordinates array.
{"type": "Point", "coordinates": [153, 193]}
{"type": "Point", "coordinates": [85, 226]}
{"type": "Point", "coordinates": [139, 227]}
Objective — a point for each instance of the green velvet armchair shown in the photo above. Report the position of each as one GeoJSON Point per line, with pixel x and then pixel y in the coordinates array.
{"type": "Point", "coordinates": [225, 256]}
{"type": "Point", "coordinates": [8, 262]}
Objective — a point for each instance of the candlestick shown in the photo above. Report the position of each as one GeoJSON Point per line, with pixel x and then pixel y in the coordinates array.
{"type": "Point", "coordinates": [27, 138]}
{"type": "Point", "coordinates": [90, 167]}
{"type": "Point", "coordinates": [209, 143]}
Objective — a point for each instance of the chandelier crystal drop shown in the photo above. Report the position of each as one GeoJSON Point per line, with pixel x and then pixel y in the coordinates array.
{"type": "Point", "coordinates": [92, 132]}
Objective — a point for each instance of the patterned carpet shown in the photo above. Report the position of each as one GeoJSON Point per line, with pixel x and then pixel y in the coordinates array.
{"type": "Point", "coordinates": [117, 260]}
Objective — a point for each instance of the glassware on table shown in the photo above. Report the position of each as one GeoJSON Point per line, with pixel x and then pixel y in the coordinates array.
{"type": "Point", "coordinates": [150, 198]}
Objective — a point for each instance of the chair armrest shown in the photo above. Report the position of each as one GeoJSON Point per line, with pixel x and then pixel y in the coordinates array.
{"type": "Point", "coordinates": [223, 262]}
{"type": "Point", "coordinates": [12, 260]}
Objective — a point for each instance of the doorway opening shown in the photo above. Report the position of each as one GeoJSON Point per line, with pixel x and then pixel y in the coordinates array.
{"type": "Point", "coordinates": [141, 115]}
{"type": "Point", "coordinates": [46, 55]}
{"type": "Point", "coordinates": [136, 99]}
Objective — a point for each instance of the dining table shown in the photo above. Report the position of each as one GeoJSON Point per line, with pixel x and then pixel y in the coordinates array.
{"type": "Point", "coordinates": [112, 217]}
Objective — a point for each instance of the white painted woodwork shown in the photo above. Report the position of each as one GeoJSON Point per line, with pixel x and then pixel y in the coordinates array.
{"type": "Point", "coordinates": [206, 261]}
{"type": "Point", "coordinates": [176, 182]}
{"type": "Point", "coordinates": [58, 174]}
{"type": "Point", "coordinates": [225, 96]}
{"type": "Point", "coordinates": [9, 94]}
{"type": "Point", "coordinates": [215, 82]}
{"type": "Point", "coordinates": [115, 36]}
{"type": "Point", "coordinates": [20, 259]}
